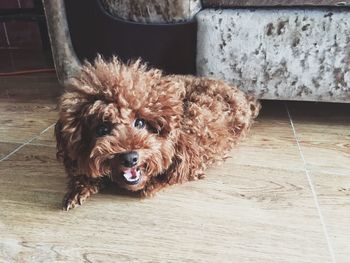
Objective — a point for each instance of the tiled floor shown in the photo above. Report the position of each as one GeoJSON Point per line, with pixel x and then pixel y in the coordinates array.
{"type": "Point", "coordinates": [284, 196]}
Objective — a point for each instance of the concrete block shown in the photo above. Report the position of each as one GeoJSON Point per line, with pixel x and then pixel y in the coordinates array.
{"type": "Point", "coordinates": [293, 54]}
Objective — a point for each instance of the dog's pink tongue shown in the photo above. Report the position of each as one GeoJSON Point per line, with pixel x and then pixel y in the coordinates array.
{"type": "Point", "coordinates": [133, 173]}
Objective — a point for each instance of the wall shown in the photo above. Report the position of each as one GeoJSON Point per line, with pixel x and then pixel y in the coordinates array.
{"type": "Point", "coordinates": [19, 34]}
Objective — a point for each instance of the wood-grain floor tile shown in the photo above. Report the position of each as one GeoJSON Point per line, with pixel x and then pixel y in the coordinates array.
{"type": "Point", "coordinates": [324, 134]}
{"type": "Point", "coordinates": [19, 122]}
{"type": "Point", "coordinates": [238, 213]}
{"type": "Point", "coordinates": [271, 142]}
{"type": "Point", "coordinates": [6, 148]}
{"type": "Point", "coordinates": [46, 139]}
{"type": "Point", "coordinates": [333, 192]}
{"type": "Point", "coordinates": [27, 105]}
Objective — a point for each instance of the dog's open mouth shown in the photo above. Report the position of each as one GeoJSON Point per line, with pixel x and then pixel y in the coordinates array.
{"type": "Point", "coordinates": [131, 175]}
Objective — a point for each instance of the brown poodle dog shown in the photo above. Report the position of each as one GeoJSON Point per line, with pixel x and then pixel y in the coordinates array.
{"type": "Point", "coordinates": [138, 128]}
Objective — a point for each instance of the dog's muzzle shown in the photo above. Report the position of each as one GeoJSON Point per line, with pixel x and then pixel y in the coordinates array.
{"type": "Point", "coordinates": [124, 166]}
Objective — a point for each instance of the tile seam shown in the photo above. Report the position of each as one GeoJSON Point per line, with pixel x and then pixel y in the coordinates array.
{"type": "Point", "coordinates": [312, 187]}
{"type": "Point", "coordinates": [26, 143]}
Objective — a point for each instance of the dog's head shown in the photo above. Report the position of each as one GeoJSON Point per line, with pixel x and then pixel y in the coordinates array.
{"type": "Point", "coordinates": [120, 121]}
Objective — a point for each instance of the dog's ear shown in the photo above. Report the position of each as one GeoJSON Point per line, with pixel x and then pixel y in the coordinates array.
{"type": "Point", "coordinates": [60, 144]}
{"type": "Point", "coordinates": [68, 140]}
{"type": "Point", "coordinates": [64, 151]}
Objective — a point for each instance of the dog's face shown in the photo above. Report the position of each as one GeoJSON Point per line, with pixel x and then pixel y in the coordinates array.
{"type": "Point", "coordinates": [127, 144]}
{"type": "Point", "coordinates": [120, 121]}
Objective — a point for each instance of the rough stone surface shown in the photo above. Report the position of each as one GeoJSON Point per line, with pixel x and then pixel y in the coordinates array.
{"type": "Point", "coordinates": [294, 54]}
{"type": "Point", "coordinates": [235, 3]}
{"type": "Point", "coordinates": [152, 11]}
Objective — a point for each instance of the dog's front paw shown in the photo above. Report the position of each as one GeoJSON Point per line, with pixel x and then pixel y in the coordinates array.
{"type": "Point", "coordinates": [75, 198]}
{"type": "Point", "coordinates": [197, 176]}
{"type": "Point", "coordinates": [200, 175]}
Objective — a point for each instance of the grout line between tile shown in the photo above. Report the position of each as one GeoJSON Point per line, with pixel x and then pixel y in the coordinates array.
{"type": "Point", "coordinates": [312, 187]}
{"type": "Point", "coordinates": [26, 143]}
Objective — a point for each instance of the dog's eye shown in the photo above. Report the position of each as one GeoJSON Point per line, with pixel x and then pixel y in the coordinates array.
{"type": "Point", "coordinates": [139, 123]}
{"type": "Point", "coordinates": [103, 130]}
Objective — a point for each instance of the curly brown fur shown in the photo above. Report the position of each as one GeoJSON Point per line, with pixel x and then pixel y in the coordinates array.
{"type": "Point", "coordinates": [190, 123]}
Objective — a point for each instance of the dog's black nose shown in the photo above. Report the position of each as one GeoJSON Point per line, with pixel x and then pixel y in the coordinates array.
{"type": "Point", "coordinates": [129, 159]}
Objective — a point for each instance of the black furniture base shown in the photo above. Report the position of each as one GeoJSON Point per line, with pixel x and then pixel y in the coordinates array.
{"type": "Point", "coordinates": [170, 47]}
